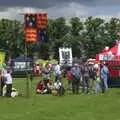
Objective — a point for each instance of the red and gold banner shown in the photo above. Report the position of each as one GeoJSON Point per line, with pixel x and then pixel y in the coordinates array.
{"type": "Point", "coordinates": [35, 22]}
{"type": "Point", "coordinates": [42, 21]}
{"type": "Point", "coordinates": [31, 35]}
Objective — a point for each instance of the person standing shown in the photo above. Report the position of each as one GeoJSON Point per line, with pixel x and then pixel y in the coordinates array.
{"type": "Point", "coordinates": [104, 73]}
{"type": "Point", "coordinates": [93, 77]}
{"type": "Point", "coordinates": [69, 77]}
{"type": "Point", "coordinates": [8, 83]}
{"type": "Point", "coordinates": [2, 81]}
{"type": "Point", "coordinates": [37, 69]}
{"type": "Point", "coordinates": [46, 74]}
{"type": "Point", "coordinates": [1, 88]}
{"type": "Point", "coordinates": [76, 74]}
{"type": "Point", "coordinates": [86, 78]}
{"type": "Point", "coordinates": [57, 73]}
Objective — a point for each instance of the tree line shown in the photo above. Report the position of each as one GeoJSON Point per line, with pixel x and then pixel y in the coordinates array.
{"type": "Point", "coordinates": [86, 38]}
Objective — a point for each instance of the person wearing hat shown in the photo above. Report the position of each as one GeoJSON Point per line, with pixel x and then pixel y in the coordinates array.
{"type": "Point", "coordinates": [76, 74]}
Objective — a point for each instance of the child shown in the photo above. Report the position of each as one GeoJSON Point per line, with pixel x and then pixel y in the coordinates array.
{"type": "Point", "coordinates": [58, 89]}
{"type": "Point", "coordinates": [97, 85]}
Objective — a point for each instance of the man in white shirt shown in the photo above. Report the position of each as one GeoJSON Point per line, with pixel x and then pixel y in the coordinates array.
{"type": "Point", "coordinates": [8, 83]}
{"type": "Point", "coordinates": [57, 73]}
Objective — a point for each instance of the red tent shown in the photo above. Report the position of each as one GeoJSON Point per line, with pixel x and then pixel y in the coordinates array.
{"type": "Point", "coordinates": [115, 50]}
{"type": "Point", "coordinates": [112, 57]}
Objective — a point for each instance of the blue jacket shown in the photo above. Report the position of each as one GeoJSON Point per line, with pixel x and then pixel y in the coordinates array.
{"type": "Point", "coordinates": [104, 72]}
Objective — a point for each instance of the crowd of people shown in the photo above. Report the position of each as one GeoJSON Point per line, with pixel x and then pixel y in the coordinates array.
{"type": "Point", "coordinates": [85, 77]}
{"type": "Point", "coordinates": [46, 85]}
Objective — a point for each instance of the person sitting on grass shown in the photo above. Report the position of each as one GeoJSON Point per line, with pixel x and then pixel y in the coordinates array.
{"type": "Point", "coordinates": [49, 86]}
{"type": "Point", "coordinates": [44, 89]}
{"type": "Point", "coordinates": [58, 89]}
{"type": "Point", "coordinates": [40, 89]}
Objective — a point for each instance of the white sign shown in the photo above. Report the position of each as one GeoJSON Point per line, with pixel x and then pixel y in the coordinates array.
{"type": "Point", "coordinates": [106, 57]}
{"type": "Point", "coordinates": [21, 66]}
{"type": "Point", "coordinates": [65, 56]}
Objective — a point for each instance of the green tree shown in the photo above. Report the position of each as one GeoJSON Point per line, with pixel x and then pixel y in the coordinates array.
{"type": "Point", "coordinates": [113, 31]}
{"type": "Point", "coordinates": [11, 36]}
{"type": "Point", "coordinates": [57, 29]}
{"type": "Point", "coordinates": [76, 26]}
{"type": "Point", "coordinates": [93, 36]}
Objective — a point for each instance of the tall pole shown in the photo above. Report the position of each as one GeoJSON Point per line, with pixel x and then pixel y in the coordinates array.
{"type": "Point", "coordinates": [27, 75]}
{"type": "Point", "coordinates": [26, 71]}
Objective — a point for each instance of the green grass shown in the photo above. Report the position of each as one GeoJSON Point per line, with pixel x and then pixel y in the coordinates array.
{"type": "Point", "coordinates": [69, 107]}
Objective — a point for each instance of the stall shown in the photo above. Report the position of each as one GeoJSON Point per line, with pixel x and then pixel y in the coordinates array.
{"type": "Point", "coordinates": [112, 58]}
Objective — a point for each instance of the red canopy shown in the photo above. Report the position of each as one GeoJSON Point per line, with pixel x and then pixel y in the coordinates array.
{"type": "Point", "coordinates": [115, 53]}
{"type": "Point", "coordinates": [114, 49]}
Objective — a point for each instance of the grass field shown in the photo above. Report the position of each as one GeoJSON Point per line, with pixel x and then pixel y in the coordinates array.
{"type": "Point", "coordinates": [69, 107]}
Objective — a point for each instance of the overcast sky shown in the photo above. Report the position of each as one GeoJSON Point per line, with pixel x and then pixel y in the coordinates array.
{"type": "Point", "coordinates": [57, 8]}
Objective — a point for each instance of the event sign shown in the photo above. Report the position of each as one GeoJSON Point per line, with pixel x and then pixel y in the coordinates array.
{"type": "Point", "coordinates": [22, 66]}
{"type": "Point", "coordinates": [106, 57]}
{"type": "Point", "coordinates": [65, 56]}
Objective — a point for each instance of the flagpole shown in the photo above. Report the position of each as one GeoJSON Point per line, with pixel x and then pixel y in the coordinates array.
{"type": "Point", "coordinates": [26, 72]}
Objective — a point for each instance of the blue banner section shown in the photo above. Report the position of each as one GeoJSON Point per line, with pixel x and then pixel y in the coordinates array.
{"type": "Point", "coordinates": [43, 36]}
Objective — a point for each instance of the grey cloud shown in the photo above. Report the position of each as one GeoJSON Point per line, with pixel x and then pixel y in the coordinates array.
{"type": "Point", "coordinates": [41, 3]}
{"type": "Point", "coordinates": [106, 2]}
{"type": "Point", "coordinates": [26, 3]}
{"type": "Point", "coordinates": [66, 8]}
{"type": "Point", "coordinates": [51, 3]}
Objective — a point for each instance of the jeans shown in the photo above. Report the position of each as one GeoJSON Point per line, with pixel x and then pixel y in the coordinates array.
{"type": "Point", "coordinates": [86, 84]}
{"type": "Point", "coordinates": [104, 84]}
{"type": "Point", "coordinates": [58, 77]}
{"type": "Point", "coordinates": [105, 80]}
